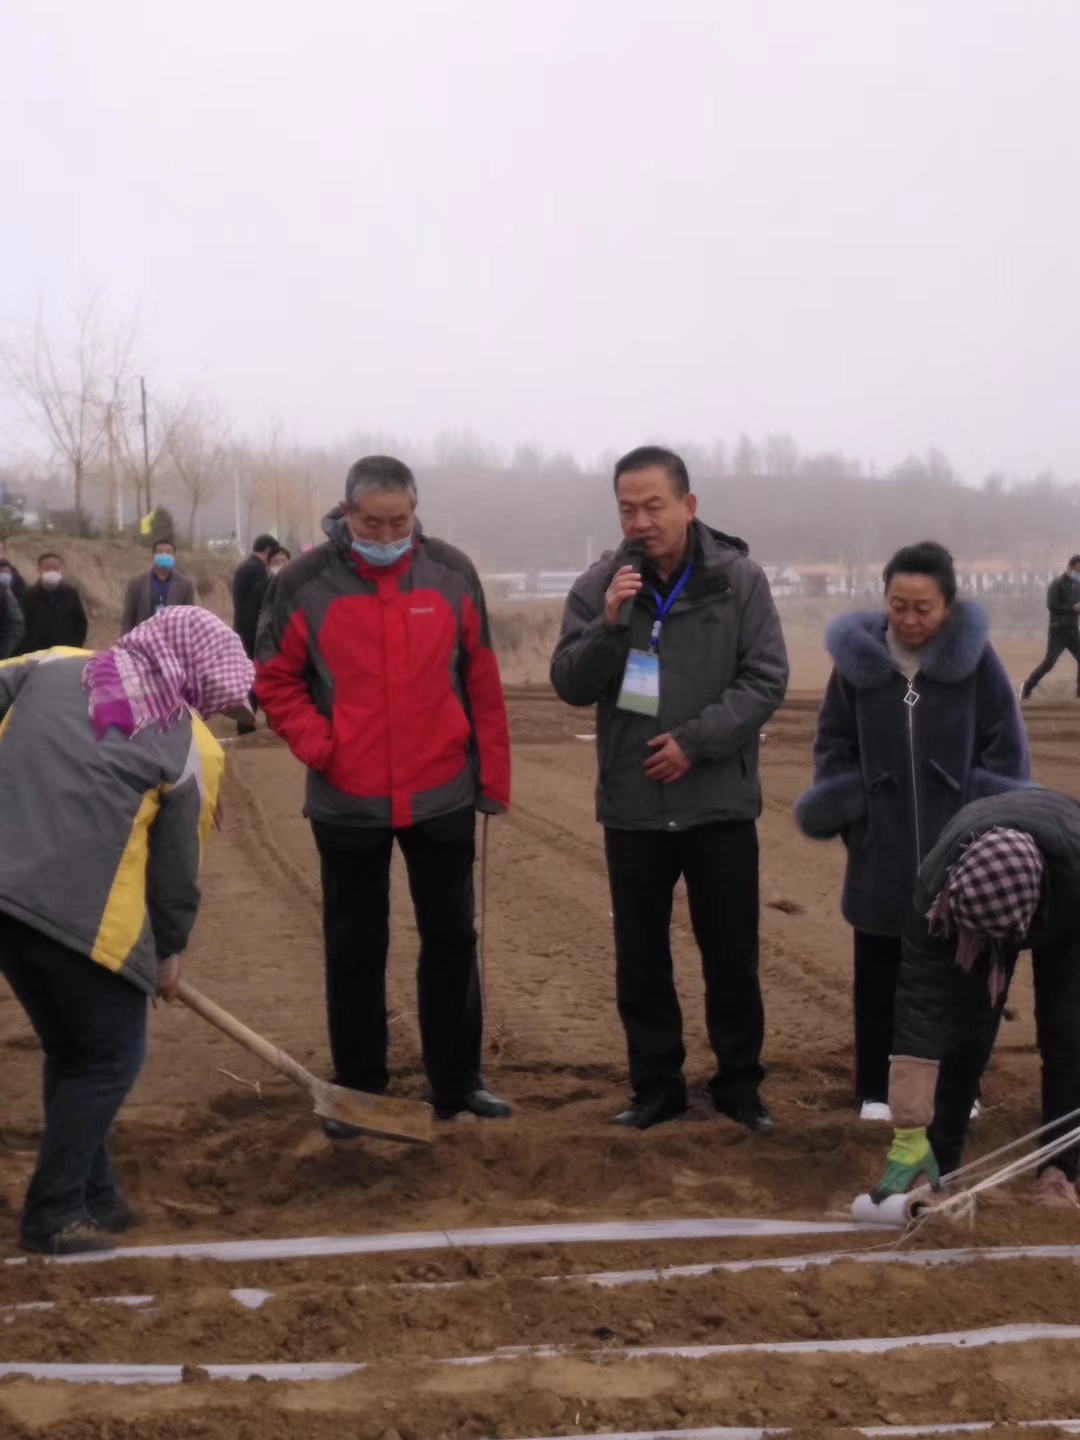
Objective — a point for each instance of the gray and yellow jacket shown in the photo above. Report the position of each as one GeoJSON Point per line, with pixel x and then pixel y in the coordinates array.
{"type": "Point", "coordinates": [102, 839]}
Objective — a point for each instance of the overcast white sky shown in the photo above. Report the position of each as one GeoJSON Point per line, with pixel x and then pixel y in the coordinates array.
{"type": "Point", "coordinates": [580, 223]}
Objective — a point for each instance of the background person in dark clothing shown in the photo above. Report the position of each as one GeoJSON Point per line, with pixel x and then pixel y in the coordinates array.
{"type": "Point", "coordinates": [374, 663]}
{"type": "Point", "coordinates": [249, 586]}
{"type": "Point", "coordinates": [53, 610]}
{"type": "Point", "coordinates": [678, 790]}
{"type": "Point", "coordinates": [18, 584]}
{"type": "Point", "coordinates": [249, 589]}
{"type": "Point", "coordinates": [11, 615]}
{"type": "Point", "coordinates": [984, 893]}
{"type": "Point", "coordinates": [1063, 603]}
{"type": "Point", "coordinates": [163, 586]}
{"type": "Point", "coordinates": [919, 717]}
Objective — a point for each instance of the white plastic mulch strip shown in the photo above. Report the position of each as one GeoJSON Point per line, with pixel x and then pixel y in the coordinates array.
{"type": "Point", "coordinates": [252, 1299]}
{"type": "Point", "coordinates": [602, 1232]}
{"type": "Point", "coordinates": [170, 1374]}
{"type": "Point", "coordinates": [725, 1432]}
{"type": "Point", "coordinates": [804, 1262]}
{"type": "Point", "coordinates": [134, 1302]}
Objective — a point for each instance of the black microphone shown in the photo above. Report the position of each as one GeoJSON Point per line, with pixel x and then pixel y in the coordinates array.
{"type": "Point", "coordinates": [635, 558]}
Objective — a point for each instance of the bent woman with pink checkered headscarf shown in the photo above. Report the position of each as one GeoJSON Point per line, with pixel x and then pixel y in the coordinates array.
{"type": "Point", "coordinates": [1004, 877]}
{"type": "Point", "coordinates": [109, 781]}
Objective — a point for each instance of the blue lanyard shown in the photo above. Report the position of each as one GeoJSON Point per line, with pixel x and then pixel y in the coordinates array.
{"type": "Point", "coordinates": [663, 606]}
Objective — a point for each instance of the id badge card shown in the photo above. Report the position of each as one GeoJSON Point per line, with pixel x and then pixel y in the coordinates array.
{"type": "Point", "coordinates": [640, 691]}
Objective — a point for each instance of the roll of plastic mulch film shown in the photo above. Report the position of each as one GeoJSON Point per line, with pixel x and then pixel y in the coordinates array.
{"type": "Point", "coordinates": [894, 1210]}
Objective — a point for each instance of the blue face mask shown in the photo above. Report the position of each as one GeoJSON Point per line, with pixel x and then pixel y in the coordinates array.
{"type": "Point", "coordinates": [382, 555]}
{"type": "Point", "coordinates": [164, 562]}
{"type": "Point", "coordinates": [6, 578]}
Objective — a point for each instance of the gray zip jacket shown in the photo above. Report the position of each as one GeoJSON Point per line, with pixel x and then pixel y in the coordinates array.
{"type": "Point", "coordinates": [102, 838]}
{"type": "Point", "coordinates": [723, 673]}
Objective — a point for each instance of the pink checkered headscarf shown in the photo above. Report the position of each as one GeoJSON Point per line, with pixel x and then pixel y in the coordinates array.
{"type": "Point", "coordinates": [990, 898]}
{"type": "Point", "coordinates": [181, 658]}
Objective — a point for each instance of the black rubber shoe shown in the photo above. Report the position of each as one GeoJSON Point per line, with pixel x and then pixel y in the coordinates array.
{"type": "Point", "coordinates": [118, 1219]}
{"type": "Point", "coordinates": [81, 1237]}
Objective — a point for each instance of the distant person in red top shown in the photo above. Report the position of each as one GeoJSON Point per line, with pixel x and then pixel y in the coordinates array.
{"type": "Point", "coordinates": [374, 662]}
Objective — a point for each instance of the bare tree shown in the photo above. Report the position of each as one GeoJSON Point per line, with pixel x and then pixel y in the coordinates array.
{"type": "Point", "coordinates": [781, 453]}
{"type": "Point", "coordinates": [197, 447]}
{"type": "Point", "coordinates": [746, 459]}
{"type": "Point", "coordinates": [64, 386]}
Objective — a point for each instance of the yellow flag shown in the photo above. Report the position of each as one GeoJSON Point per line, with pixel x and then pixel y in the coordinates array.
{"type": "Point", "coordinates": [146, 524]}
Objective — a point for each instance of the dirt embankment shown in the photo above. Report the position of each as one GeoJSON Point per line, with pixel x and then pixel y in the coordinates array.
{"type": "Point", "coordinates": [102, 568]}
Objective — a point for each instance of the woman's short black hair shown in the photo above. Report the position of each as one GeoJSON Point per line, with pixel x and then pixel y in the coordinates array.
{"type": "Point", "coordinates": [926, 558]}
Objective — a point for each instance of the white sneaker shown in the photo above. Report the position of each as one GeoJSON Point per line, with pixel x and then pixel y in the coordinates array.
{"type": "Point", "coordinates": [876, 1110]}
{"type": "Point", "coordinates": [976, 1110]}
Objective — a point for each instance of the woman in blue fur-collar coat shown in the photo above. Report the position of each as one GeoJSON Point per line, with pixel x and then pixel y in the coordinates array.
{"type": "Point", "coordinates": [919, 718]}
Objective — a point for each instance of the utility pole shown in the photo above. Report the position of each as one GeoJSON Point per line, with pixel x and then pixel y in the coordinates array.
{"type": "Point", "coordinates": [145, 446]}
{"type": "Point", "coordinates": [115, 490]}
{"type": "Point", "coordinates": [236, 502]}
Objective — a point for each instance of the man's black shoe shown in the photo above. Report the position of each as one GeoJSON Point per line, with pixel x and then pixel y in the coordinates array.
{"type": "Point", "coordinates": [751, 1114]}
{"type": "Point", "coordinates": [480, 1103]}
{"type": "Point", "coordinates": [641, 1113]}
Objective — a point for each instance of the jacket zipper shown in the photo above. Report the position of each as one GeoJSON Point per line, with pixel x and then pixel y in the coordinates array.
{"type": "Point", "coordinates": [911, 699]}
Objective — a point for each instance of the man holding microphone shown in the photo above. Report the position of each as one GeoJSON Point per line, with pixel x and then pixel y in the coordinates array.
{"type": "Point", "coordinates": [676, 640]}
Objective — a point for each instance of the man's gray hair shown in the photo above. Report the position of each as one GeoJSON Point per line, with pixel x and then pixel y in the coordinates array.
{"type": "Point", "coordinates": [378, 473]}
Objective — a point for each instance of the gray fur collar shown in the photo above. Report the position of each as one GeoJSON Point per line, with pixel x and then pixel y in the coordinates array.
{"type": "Point", "coordinates": [856, 643]}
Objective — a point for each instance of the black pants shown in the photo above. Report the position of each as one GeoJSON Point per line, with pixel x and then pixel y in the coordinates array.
{"type": "Point", "coordinates": [877, 966]}
{"type": "Point", "coordinates": [92, 1028]}
{"type": "Point", "coordinates": [720, 866]}
{"type": "Point", "coordinates": [1058, 641]}
{"type": "Point", "coordinates": [973, 1029]}
{"type": "Point", "coordinates": [439, 857]}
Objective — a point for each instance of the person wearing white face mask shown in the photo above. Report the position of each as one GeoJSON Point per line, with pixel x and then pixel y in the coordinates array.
{"type": "Point", "coordinates": [374, 662]}
{"type": "Point", "coordinates": [53, 610]}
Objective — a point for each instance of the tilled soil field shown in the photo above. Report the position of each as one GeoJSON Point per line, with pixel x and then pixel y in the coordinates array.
{"type": "Point", "coordinates": [215, 1149]}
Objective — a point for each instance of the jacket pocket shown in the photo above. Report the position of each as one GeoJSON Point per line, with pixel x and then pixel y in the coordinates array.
{"type": "Point", "coordinates": [946, 779]}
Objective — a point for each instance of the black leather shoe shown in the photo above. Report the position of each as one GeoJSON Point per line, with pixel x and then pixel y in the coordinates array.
{"type": "Point", "coordinates": [642, 1113]}
{"type": "Point", "coordinates": [480, 1103]}
{"type": "Point", "coordinates": [751, 1114]}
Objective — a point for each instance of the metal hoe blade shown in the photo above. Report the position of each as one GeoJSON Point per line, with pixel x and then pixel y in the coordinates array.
{"type": "Point", "coordinates": [377, 1115]}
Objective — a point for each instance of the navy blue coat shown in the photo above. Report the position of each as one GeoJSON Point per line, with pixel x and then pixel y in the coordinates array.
{"type": "Point", "coordinates": [888, 775]}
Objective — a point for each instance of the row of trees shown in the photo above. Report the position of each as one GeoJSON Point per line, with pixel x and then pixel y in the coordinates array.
{"type": "Point", "coordinates": [124, 448]}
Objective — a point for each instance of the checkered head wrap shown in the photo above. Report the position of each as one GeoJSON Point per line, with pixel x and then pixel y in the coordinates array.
{"type": "Point", "coordinates": [183, 658]}
{"type": "Point", "coordinates": [990, 897]}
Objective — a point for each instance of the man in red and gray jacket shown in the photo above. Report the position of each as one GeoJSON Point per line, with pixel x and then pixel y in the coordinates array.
{"type": "Point", "coordinates": [374, 662]}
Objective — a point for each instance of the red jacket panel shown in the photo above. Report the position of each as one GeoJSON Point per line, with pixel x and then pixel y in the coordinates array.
{"type": "Point", "coordinates": [384, 684]}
